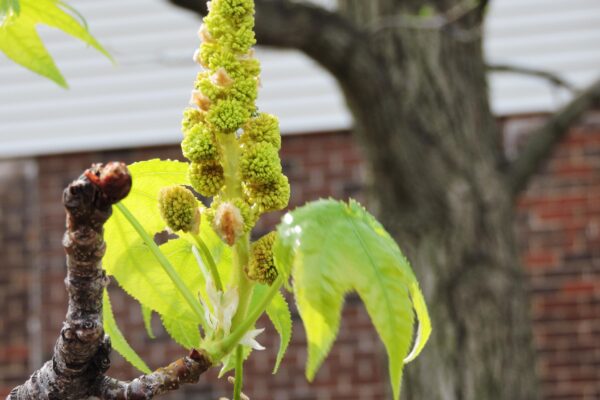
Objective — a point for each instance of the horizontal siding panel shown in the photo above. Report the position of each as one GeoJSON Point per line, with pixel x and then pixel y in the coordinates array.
{"type": "Point", "coordinates": [139, 100]}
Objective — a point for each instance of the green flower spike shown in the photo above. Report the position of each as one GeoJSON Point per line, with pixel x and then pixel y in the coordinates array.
{"type": "Point", "coordinates": [179, 209]}
{"type": "Point", "coordinates": [261, 267]}
{"type": "Point", "coordinates": [206, 177]}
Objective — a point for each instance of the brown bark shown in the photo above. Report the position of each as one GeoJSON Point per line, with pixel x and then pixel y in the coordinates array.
{"type": "Point", "coordinates": [433, 147]}
{"type": "Point", "coordinates": [81, 353]}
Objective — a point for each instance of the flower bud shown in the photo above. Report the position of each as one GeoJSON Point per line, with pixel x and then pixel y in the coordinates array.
{"type": "Point", "coordinates": [261, 267]}
{"type": "Point", "coordinates": [206, 177]}
{"type": "Point", "coordinates": [179, 209]}
{"type": "Point", "coordinates": [270, 197]}
{"type": "Point", "coordinates": [260, 164]}
{"type": "Point", "coordinates": [199, 145]}
{"type": "Point", "coordinates": [227, 115]}
{"type": "Point", "coordinates": [263, 128]}
{"type": "Point", "coordinates": [249, 216]}
{"type": "Point", "coordinates": [221, 78]}
{"type": "Point", "coordinates": [204, 34]}
{"type": "Point", "coordinates": [191, 117]}
{"type": "Point", "coordinates": [228, 222]}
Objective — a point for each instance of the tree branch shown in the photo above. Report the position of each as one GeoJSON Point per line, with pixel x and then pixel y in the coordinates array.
{"type": "Point", "coordinates": [81, 353]}
{"type": "Point", "coordinates": [543, 139]}
{"type": "Point", "coordinates": [184, 370]}
{"type": "Point", "coordinates": [553, 78]}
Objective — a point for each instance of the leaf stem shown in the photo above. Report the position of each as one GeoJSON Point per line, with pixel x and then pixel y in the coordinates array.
{"type": "Point", "coordinates": [168, 268]}
{"type": "Point", "coordinates": [212, 266]}
{"type": "Point", "coordinates": [239, 372]}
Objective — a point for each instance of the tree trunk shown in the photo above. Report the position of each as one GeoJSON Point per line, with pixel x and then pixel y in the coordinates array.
{"type": "Point", "coordinates": [436, 161]}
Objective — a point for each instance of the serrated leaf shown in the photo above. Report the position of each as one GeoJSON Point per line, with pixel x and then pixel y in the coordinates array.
{"type": "Point", "coordinates": [185, 333]}
{"type": "Point", "coordinates": [331, 248]}
{"type": "Point", "coordinates": [133, 265]}
{"type": "Point", "coordinates": [119, 343]}
{"type": "Point", "coordinates": [424, 330]}
{"type": "Point", "coordinates": [128, 258]}
{"type": "Point", "coordinates": [147, 316]}
{"type": "Point", "coordinates": [279, 315]}
{"type": "Point", "coordinates": [20, 41]}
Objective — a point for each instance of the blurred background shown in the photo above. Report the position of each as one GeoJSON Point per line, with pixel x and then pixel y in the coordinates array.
{"type": "Point", "coordinates": [131, 111]}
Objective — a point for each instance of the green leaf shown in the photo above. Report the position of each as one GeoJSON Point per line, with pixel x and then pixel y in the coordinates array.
{"type": "Point", "coordinates": [128, 258]}
{"type": "Point", "coordinates": [147, 316]}
{"type": "Point", "coordinates": [119, 343]}
{"type": "Point", "coordinates": [186, 333]}
{"type": "Point", "coordinates": [20, 41]}
{"type": "Point", "coordinates": [9, 7]}
{"type": "Point", "coordinates": [279, 314]}
{"type": "Point", "coordinates": [331, 248]}
{"type": "Point", "coordinates": [134, 266]}
{"type": "Point", "coordinates": [424, 330]}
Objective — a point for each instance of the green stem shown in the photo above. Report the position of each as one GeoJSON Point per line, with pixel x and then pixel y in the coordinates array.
{"type": "Point", "coordinates": [227, 344]}
{"type": "Point", "coordinates": [239, 373]}
{"type": "Point", "coordinates": [241, 253]}
{"type": "Point", "coordinates": [231, 156]}
{"type": "Point", "coordinates": [212, 266]}
{"type": "Point", "coordinates": [168, 268]}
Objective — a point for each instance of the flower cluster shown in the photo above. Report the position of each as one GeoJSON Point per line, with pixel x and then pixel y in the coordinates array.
{"type": "Point", "coordinates": [232, 148]}
{"type": "Point", "coordinates": [179, 208]}
{"type": "Point", "coordinates": [261, 267]}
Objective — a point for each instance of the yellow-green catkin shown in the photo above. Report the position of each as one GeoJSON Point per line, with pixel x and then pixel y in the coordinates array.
{"type": "Point", "coordinates": [261, 267]}
{"type": "Point", "coordinates": [223, 107]}
{"type": "Point", "coordinates": [179, 209]}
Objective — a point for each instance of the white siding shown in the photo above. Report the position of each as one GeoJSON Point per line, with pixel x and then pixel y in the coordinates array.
{"type": "Point", "coordinates": [138, 101]}
{"type": "Point", "coordinates": [560, 36]}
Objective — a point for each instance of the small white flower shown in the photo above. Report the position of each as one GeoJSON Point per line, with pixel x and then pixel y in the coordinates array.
{"type": "Point", "coordinates": [249, 339]}
{"type": "Point", "coordinates": [223, 304]}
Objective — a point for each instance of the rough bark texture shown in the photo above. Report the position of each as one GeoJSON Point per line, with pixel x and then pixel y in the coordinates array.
{"type": "Point", "coordinates": [435, 154]}
{"type": "Point", "coordinates": [81, 353]}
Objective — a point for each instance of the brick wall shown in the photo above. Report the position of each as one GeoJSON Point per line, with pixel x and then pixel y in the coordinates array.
{"type": "Point", "coordinates": [558, 223]}
{"type": "Point", "coordinates": [559, 236]}
{"type": "Point", "coordinates": [17, 243]}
